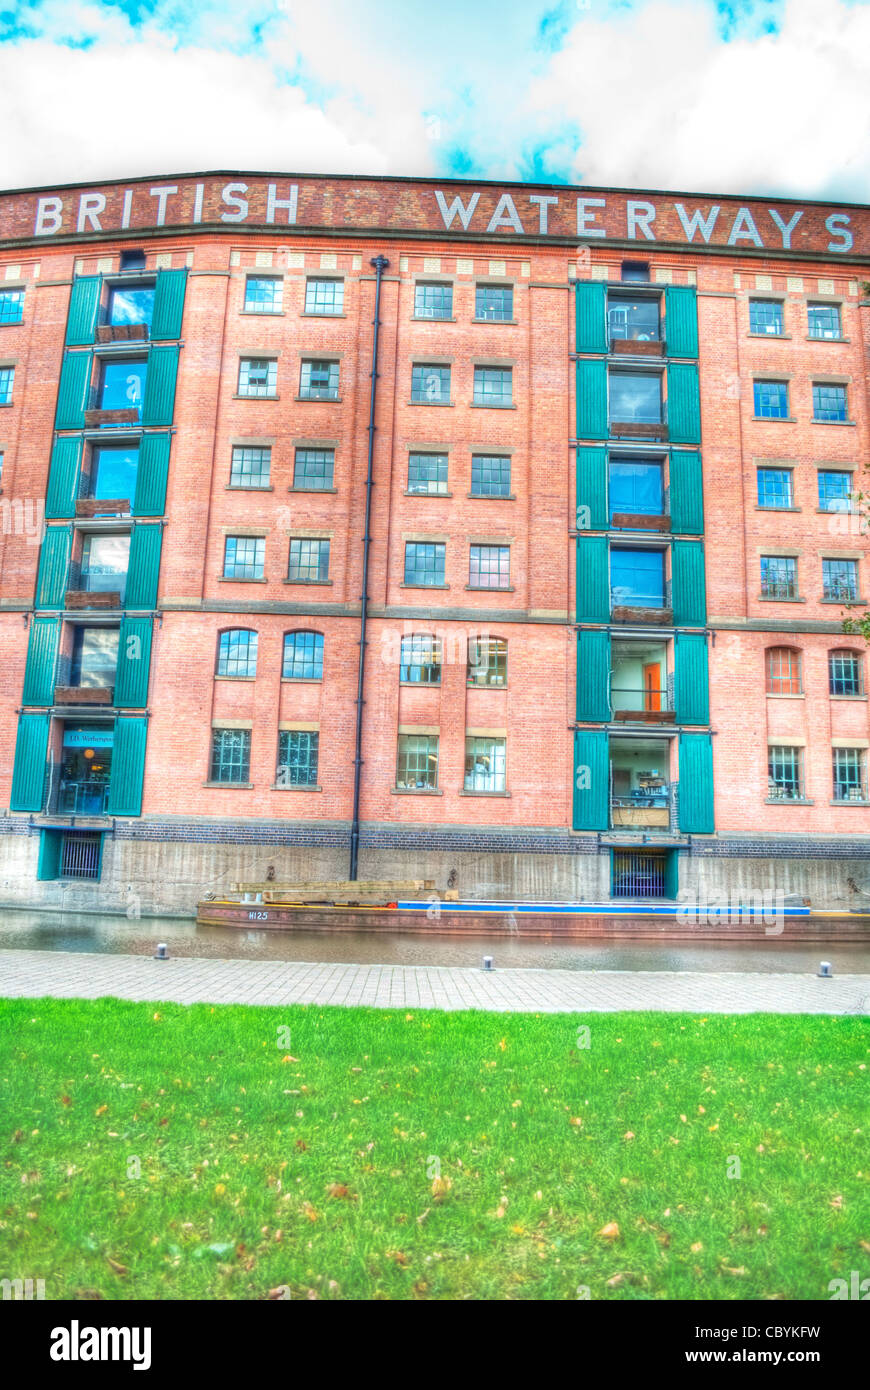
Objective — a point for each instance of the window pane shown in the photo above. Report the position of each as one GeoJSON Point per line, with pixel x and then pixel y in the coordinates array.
{"type": "Point", "coordinates": [122, 385]}
{"type": "Point", "coordinates": [258, 376]}
{"type": "Point", "coordinates": [113, 471]}
{"type": "Point", "coordinates": [313, 469]}
{"type": "Point", "coordinates": [824, 321]}
{"type": "Point", "coordinates": [637, 578]}
{"type": "Point", "coordinates": [230, 755]}
{"type": "Point", "coordinates": [131, 304]}
{"type": "Point", "coordinates": [303, 656]}
{"type": "Point", "coordinates": [635, 272]}
{"type": "Point", "coordinates": [636, 396]}
{"type": "Point", "coordinates": [635, 319]}
{"type": "Point", "coordinates": [774, 487]}
{"type": "Point", "coordinates": [784, 774]}
{"type": "Point", "coordinates": [489, 566]}
{"type": "Point", "coordinates": [237, 653]}
{"type": "Point", "coordinates": [494, 302]}
{"type": "Point", "coordinates": [424, 562]}
{"type": "Point", "coordinates": [417, 761]}
{"type": "Point", "coordinates": [309, 560]}
{"type": "Point", "coordinates": [319, 381]}
{"type": "Point", "coordinates": [94, 657]}
{"type": "Point", "coordinates": [778, 576]}
{"type": "Point", "coordinates": [845, 674]}
{"type": "Point", "coordinates": [7, 378]}
{"type": "Point", "coordinates": [427, 473]}
{"type": "Point", "coordinates": [850, 783]}
{"type": "Point", "coordinates": [433, 301]}
{"type": "Point", "coordinates": [840, 580]}
{"type": "Point", "coordinates": [771, 399]}
{"type": "Point", "coordinates": [485, 761]}
{"type": "Point", "coordinates": [487, 661]}
{"type": "Point", "coordinates": [835, 491]}
{"type": "Point", "coordinates": [244, 557]}
{"type": "Point", "coordinates": [420, 660]}
{"type": "Point", "coordinates": [765, 316]}
{"type": "Point", "coordinates": [636, 487]}
{"type": "Point", "coordinates": [324, 297]}
{"type": "Point", "coordinates": [11, 306]}
{"type": "Point", "coordinates": [250, 467]}
{"type": "Point", "coordinates": [493, 386]}
{"type": "Point", "coordinates": [490, 475]}
{"type": "Point", "coordinates": [430, 385]}
{"type": "Point", "coordinates": [105, 561]}
{"type": "Point", "coordinates": [783, 671]}
{"type": "Point", "coordinates": [298, 751]}
{"type": "Point", "coordinates": [263, 294]}
{"type": "Point", "coordinates": [829, 403]}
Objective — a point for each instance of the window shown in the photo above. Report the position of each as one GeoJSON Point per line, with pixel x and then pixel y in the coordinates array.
{"type": "Point", "coordinates": [130, 304]}
{"type": "Point", "coordinates": [309, 561]}
{"type": "Point", "coordinates": [258, 376]}
{"type": "Point", "coordinates": [427, 473]}
{"type": "Point", "coordinates": [784, 773]}
{"type": "Point", "coordinates": [244, 557]}
{"type": "Point", "coordinates": [485, 760]}
{"type": "Point", "coordinates": [303, 656]}
{"type": "Point", "coordinates": [493, 386]}
{"type": "Point", "coordinates": [420, 660]}
{"type": "Point", "coordinates": [845, 673]}
{"type": "Point", "coordinates": [264, 294]}
{"type": "Point", "coordinates": [433, 301]}
{"type": "Point", "coordinates": [417, 762]}
{"type": "Point", "coordinates": [636, 487]}
{"type": "Point", "coordinates": [324, 296]}
{"type": "Point", "coordinates": [313, 470]}
{"type": "Point", "coordinates": [778, 576]}
{"type": "Point", "coordinates": [490, 475]}
{"type": "Point", "coordinates": [237, 653]}
{"type": "Point", "coordinates": [823, 321]}
{"type": "Point", "coordinates": [133, 260]}
{"type": "Point", "coordinates": [230, 756]}
{"type": "Point", "coordinates": [11, 306]}
{"type": "Point", "coordinates": [7, 379]}
{"type": "Point", "coordinates": [774, 487]}
{"type": "Point", "coordinates": [771, 400]}
{"type": "Point", "coordinates": [105, 560]}
{"type": "Point", "coordinates": [850, 774]}
{"type": "Point", "coordinates": [783, 671]}
{"type": "Point", "coordinates": [251, 467]}
{"type": "Point", "coordinates": [637, 578]}
{"type": "Point", "coordinates": [487, 661]}
{"type": "Point", "coordinates": [634, 319]}
{"type": "Point", "coordinates": [840, 580]}
{"type": "Point", "coordinates": [298, 751]}
{"type": "Point", "coordinates": [635, 272]}
{"type": "Point", "coordinates": [94, 659]}
{"type": "Point", "coordinates": [835, 491]}
{"type": "Point", "coordinates": [765, 316]}
{"type": "Point", "coordinates": [424, 563]}
{"type": "Point", "coordinates": [122, 384]}
{"type": "Point", "coordinates": [113, 471]}
{"type": "Point", "coordinates": [829, 403]}
{"type": "Point", "coordinates": [495, 303]}
{"type": "Point", "coordinates": [489, 567]}
{"type": "Point", "coordinates": [430, 385]}
{"type": "Point", "coordinates": [636, 397]}
{"type": "Point", "coordinates": [319, 381]}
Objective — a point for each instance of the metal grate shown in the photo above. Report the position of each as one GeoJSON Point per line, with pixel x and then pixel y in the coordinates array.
{"type": "Point", "coordinates": [80, 855]}
{"type": "Point", "coordinates": [638, 875]}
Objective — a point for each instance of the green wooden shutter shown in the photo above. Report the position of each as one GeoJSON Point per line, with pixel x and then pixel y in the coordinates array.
{"type": "Point", "coordinates": [48, 864]}
{"type": "Point", "coordinates": [51, 582]}
{"type": "Point", "coordinates": [168, 304]}
{"type": "Point", "coordinates": [84, 304]}
{"type": "Point", "coordinates": [151, 474]}
{"type": "Point", "coordinates": [72, 393]}
{"type": "Point", "coordinates": [63, 478]}
{"type": "Point", "coordinates": [591, 316]}
{"type": "Point", "coordinates": [28, 777]}
{"type": "Point", "coordinates": [144, 568]}
{"type": "Point", "coordinates": [593, 579]}
{"type": "Point", "coordinates": [591, 398]}
{"type": "Point", "coordinates": [686, 493]}
{"type": "Point", "coordinates": [159, 400]}
{"type": "Point", "coordinates": [684, 403]}
{"type": "Point", "coordinates": [688, 589]}
{"type": "Point", "coordinates": [691, 678]}
{"type": "Point", "coordinates": [128, 767]}
{"type": "Point", "coordinates": [591, 779]}
{"type": "Point", "coordinates": [41, 662]}
{"type": "Point", "coordinates": [681, 320]}
{"type": "Point", "coordinates": [672, 873]}
{"type": "Point", "coordinates": [592, 489]}
{"type": "Point", "coordinates": [593, 676]}
{"type": "Point", "coordinates": [134, 659]}
{"type": "Point", "coordinates": [696, 784]}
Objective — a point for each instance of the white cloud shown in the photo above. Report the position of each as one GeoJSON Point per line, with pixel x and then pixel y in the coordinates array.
{"type": "Point", "coordinates": [663, 103]}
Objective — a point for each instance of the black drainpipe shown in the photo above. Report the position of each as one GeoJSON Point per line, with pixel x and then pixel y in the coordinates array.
{"type": "Point", "coordinates": [380, 264]}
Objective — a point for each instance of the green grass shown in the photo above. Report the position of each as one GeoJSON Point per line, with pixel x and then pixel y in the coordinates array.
{"type": "Point", "coordinates": [259, 1170]}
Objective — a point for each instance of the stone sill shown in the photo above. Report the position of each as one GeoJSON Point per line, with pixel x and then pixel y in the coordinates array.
{"type": "Point", "coordinates": [774, 419]}
{"type": "Point", "coordinates": [759, 508]}
{"type": "Point", "coordinates": [409, 493]}
{"type": "Point", "coordinates": [239, 487]}
{"type": "Point", "coordinates": [316, 400]}
{"type": "Point", "coordinates": [231, 579]}
{"type": "Point", "coordinates": [845, 602]}
{"type": "Point", "coordinates": [783, 695]}
{"type": "Point", "coordinates": [435, 403]}
{"type": "Point", "coordinates": [237, 397]}
{"type": "Point", "coordinates": [236, 678]}
{"type": "Point", "coordinates": [315, 490]}
{"type": "Point", "coordinates": [491, 405]}
{"type": "Point", "coordinates": [230, 786]}
{"type": "Point", "coordinates": [497, 323]}
{"type": "Point", "coordinates": [791, 801]}
{"type": "Point", "coordinates": [416, 791]}
{"type": "Point", "coordinates": [281, 786]}
{"type": "Point", "coordinates": [431, 318]}
{"type": "Point", "coordinates": [316, 583]}
{"type": "Point", "coordinates": [848, 423]}
{"type": "Point", "coordinates": [492, 496]}
{"type": "Point", "coordinates": [763, 598]}
{"type": "Point", "coordinates": [424, 586]}
{"type": "Point", "coordinates": [263, 313]}
{"type": "Point", "coordinates": [306, 314]}
{"type": "Point", "coordinates": [832, 802]}
{"type": "Point", "coordinates": [836, 511]}
{"type": "Point", "coordinates": [302, 680]}
{"type": "Point", "coordinates": [463, 792]}
{"type": "Point", "coordinates": [815, 338]}
{"type": "Point", "coordinates": [778, 337]}
{"type": "Point", "coordinates": [490, 588]}
{"type": "Point", "coordinates": [848, 697]}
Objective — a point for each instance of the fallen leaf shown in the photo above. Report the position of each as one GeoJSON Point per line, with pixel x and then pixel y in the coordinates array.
{"type": "Point", "coordinates": [440, 1186]}
{"type": "Point", "coordinates": [116, 1265]}
{"type": "Point", "coordinates": [338, 1189]}
{"type": "Point", "coordinates": [836, 1203]}
{"type": "Point", "coordinates": [696, 1248]}
{"type": "Point", "coordinates": [610, 1231]}
{"type": "Point", "coordinates": [101, 1109]}
{"type": "Point", "coordinates": [628, 1134]}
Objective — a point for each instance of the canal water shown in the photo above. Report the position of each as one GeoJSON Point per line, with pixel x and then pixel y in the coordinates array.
{"type": "Point", "coordinates": [56, 931]}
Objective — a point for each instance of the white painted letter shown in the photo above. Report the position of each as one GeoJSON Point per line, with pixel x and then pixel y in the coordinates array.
{"type": "Point", "coordinates": [162, 194]}
{"type": "Point", "coordinates": [698, 222]}
{"type": "Point", "coordinates": [505, 215]}
{"type": "Point", "coordinates": [48, 208]}
{"type": "Point", "coordinates": [128, 205]}
{"type": "Point", "coordinates": [230, 195]}
{"type": "Point", "coordinates": [832, 224]}
{"type": "Point", "coordinates": [639, 214]}
{"type": "Point", "coordinates": [456, 209]}
{"type": "Point", "coordinates": [744, 229]}
{"type": "Point", "coordinates": [785, 227]}
{"type": "Point", "coordinates": [197, 202]}
{"type": "Point", "coordinates": [584, 218]}
{"type": "Point", "coordinates": [273, 202]}
{"type": "Point", "coordinates": [90, 206]}
{"type": "Point", "coordinates": [544, 201]}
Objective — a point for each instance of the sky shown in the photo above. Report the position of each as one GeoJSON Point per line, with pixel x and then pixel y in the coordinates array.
{"type": "Point", "coordinates": [752, 96]}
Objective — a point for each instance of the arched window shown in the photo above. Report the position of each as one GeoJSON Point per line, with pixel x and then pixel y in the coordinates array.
{"type": "Point", "coordinates": [237, 652]}
{"type": "Point", "coordinates": [303, 656]}
{"type": "Point", "coordinates": [845, 672]}
{"type": "Point", "coordinates": [782, 671]}
{"type": "Point", "coordinates": [420, 659]}
{"type": "Point", "coordinates": [487, 660]}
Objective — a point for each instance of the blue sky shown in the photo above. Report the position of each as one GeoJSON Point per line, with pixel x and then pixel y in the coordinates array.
{"type": "Point", "coordinates": [734, 95]}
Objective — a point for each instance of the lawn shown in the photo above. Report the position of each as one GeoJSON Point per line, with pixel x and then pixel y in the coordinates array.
{"type": "Point", "coordinates": [161, 1151]}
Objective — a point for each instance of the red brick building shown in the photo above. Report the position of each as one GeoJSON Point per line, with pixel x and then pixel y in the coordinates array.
{"type": "Point", "coordinates": [615, 442]}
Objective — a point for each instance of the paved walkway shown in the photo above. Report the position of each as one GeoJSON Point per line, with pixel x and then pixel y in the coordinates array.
{"type": "Point", "coordinates": [71, 974]}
